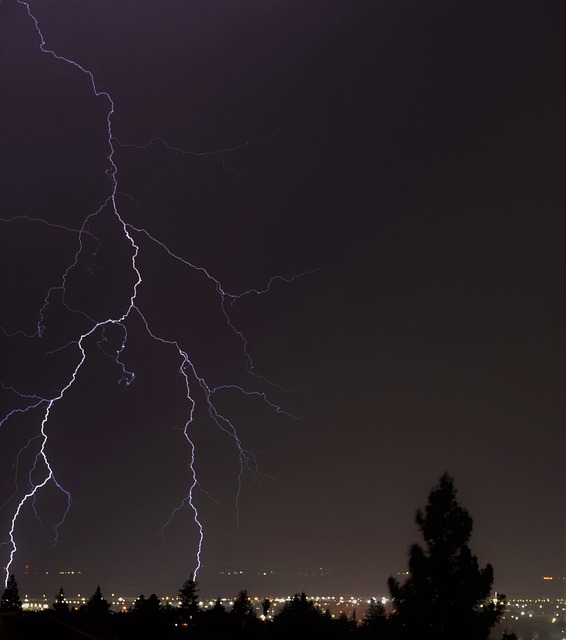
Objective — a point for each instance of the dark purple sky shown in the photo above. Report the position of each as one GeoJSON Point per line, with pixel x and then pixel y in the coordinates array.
{"type": "Point", "coordinates": [410, 155]}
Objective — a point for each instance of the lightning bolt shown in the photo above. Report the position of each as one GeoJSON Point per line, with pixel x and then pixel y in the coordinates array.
{"type": "Point", "coordinates": [41, 473]}
{"type": "Point", "coordinates": [218, 155]}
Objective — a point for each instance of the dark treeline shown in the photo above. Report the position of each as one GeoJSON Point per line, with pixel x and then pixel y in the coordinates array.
{"type": "Point", "coordinates": [446, 596]}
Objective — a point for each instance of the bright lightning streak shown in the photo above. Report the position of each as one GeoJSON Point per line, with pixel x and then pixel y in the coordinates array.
{"type": "Point", "coordinates": [98, 326]}
{"type": "Point", "coordinates": [229, 299]}
{"type": "Point", "coordinates": [112, 171]}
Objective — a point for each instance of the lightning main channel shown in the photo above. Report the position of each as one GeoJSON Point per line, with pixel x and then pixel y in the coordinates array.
{"type": "Point", "coordinates": [41, 472]}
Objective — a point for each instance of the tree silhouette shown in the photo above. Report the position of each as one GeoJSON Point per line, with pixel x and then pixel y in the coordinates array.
{"type": "Point", "coordinates": [218, 608]}
{"type": "Point", "coordinates": [97, 606]}
{"type": "Point", "coordinates": [139, 604]}
{"type": "Point", "coordinates": [147, 607]}
{"type": "Point", "coordinates": [216, 621]}
{"type": "Point", "coordinates": [374, 619]}
{"type": "Point", "coordinates": [11, 597]}
{"type": "Point", "coordinates": [243, 608]}
{"type": "Point", "coordinates": [242, 615]}
{"type": "Point", "coordinates": [60, 605]}
{"type": "Point", "coordinates": [189, 606]}
{"type": "Point", "coordinates": [341, 627]}
{"type": "Point", "coordinates": [299, 613]}
{"type": "Point", "coordinates": [265, 606]}
{"type": "Point", "coordinates": [146, 619]}
{"type": "Point", "coordinates": [446, 594]}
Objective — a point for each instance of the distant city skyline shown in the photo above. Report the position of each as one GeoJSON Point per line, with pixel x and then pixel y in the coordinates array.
{"type": "Point", "coordinates": [522, 614]}
{"type": "Point", "coordinates": [282, 583]}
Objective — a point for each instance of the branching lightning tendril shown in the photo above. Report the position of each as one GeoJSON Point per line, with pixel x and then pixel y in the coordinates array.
{"type": "Point", "coordinates": [41, 472]}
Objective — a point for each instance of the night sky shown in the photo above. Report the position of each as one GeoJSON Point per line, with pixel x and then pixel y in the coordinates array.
{"type": "Point", "coordinates": [385, 180]}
